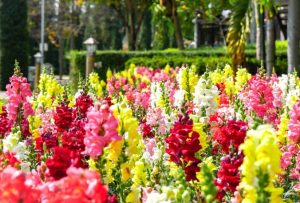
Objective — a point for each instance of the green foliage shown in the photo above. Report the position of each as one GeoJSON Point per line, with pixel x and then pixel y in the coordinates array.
{"type": "Point", "coordinates": [281, 45]}
{"type": "Point", "coordinates": [14, 38]}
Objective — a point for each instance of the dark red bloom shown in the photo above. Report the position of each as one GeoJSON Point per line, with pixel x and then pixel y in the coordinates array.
{"type": "Point", "coordinates": [63, 117]}
{"type": "Point", "coordinates": [74, 141]}
{"type": "Point", "coordinates": [233, 134]}
{"type": "Point", "coordinates": [191, 171]}
{"type": "Point", "coordinates": [58, 163]}
{"type": "Point", "coordinates": [146, 129]}
{"type": "Point", "coordinates": [47, 138]}
{"type": "Point", "coordinates": [4, 122]}
{"type": "Point", "coordinates": [183, 144]}
{"type": "Point", "coordinates": [108, 100]}
{"type": "Point", "coordinates": [221, 87]}
{"type": "Point", "coordinates": [25, 128]}
{"type": "Point", "coordinates": [228, 177]}
{"type": "Point", "coordinates": [83, 103]}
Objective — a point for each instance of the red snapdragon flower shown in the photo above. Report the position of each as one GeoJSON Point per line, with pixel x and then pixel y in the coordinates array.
{"type": "Point", "coordinates": [146, 129]}
{"type": "Point", "coordinates": [183, 144]}
{"type": "Point", "coordinates": [83, 103]}
{"type": "Point", "coordinates": [228, 177]}
{"type": "Point", "coordinates": [49, 139]}
{"type": "Point", "coordinates": [4, 122]}
{"type": "Point", "coordinates": [232, 133]}
{"type": "Point", "coordinates": [58, 163]}
{"type": "Point", "coordinates": [63, 117]}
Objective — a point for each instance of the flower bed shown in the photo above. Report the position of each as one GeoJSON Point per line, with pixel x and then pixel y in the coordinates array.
{"type": "Point", "coordinates": [148, 135]}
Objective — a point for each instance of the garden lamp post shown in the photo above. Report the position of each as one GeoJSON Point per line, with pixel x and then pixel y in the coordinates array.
{"type": "Point", "coordinates": [38, 61]}
{"type": "Point", "coordinates": [91, 46]}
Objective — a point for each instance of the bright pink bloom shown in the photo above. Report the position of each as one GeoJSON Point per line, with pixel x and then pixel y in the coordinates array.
{"type": "Point", "coordinates": [260, 99]}
{"type": "Point", "coordinates": [101, 129]}
{"type": "Point", "coordinates": [79, 186]}
{"type": "Point", "coordinates": [294, 124]}
{"type": "Point", "coordinates": [17, 92]}
{"type": "Point", "coordinates": [13, 188]}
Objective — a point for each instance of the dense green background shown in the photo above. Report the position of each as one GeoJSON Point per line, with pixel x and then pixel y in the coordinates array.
{"type": "Point", "coordinates": [14, 38]}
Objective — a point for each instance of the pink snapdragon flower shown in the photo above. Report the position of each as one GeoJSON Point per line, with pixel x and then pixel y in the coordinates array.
{"type": "Point", "coordinates": [289, 152]}
{"type": "Point", "coordinates": [18, 92]}
{"type": "Point", "coordinates": [294, 124]}
{"type": "Point", "coordinates": [260, 98]}
{"type": "Point", "coordinates": [292, 150]}
{"type": "Point", "coordinates": [101, 129]}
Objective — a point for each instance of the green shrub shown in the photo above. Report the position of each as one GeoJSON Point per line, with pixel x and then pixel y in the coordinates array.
{"type": "Point", "coordinates": [202, 63]}
{"type": "Point", "coordinates": [116, 60]}
{"type": "Point", "coordinates": [281, 46]}
{"type": "Point", "coordinates": [206, 58]}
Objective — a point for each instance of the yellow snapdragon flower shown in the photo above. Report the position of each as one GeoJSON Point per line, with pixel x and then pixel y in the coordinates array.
{"type": "Point", "coordinates": [262, 156]}
{"type": "Point", "coordinates": [96, 84]}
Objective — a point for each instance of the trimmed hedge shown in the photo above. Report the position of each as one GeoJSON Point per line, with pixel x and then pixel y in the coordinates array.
{"type": "Point", "coordinates": [116, 60]}
{"type": "Point", "coordinates": [203, 58]}
{"type": "Point", "coordinates": [202, 63]}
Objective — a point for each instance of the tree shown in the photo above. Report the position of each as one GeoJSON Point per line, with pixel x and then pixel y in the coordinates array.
{"type": "Point", "coordinates": [62, 27]}
{"type": "Point", "coordinates": [131, 13]}
{"type": "Point", "coordinates": [14, 37]}
{"type": "Point", "coordinates": [237, 35]}
{"type": "Point", "coordinates": [238, 29]}
{"type": "Point", "coordinates": [171, 12]}
{"type": "Point", "coordinates": [293, 35]}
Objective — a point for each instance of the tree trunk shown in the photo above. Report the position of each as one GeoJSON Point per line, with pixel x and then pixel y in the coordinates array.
{"type": "Point", "coordinates": [252, 38]}
{"type": "Point", "coordinates": [270, 43]}
{"type": "Point", "coordinates": [131, 31]}
{"type": "Point", "coordinates": [259, 33]}
{"type": "Point", "coordinates": [178, 33]}
{"type": "Point", "coordinates": [293, 35]}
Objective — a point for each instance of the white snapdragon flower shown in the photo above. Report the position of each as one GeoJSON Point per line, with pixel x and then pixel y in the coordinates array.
{"type": "Point", "coordinates": [155, 197]}
{"type": "Point", "coordinates": [155, 94]}
{"type": "Point", "coordinates": [11, 141]}
{"type": "Point", "coordinates": [179, 98]}
{"type": "Point", "coordinates": [21, 152]}
{"type": "Point", "coordinates": [205, 99]}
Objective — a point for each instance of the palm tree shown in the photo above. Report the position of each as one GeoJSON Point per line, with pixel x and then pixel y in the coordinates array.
{"type": "Point", "coordinates": [237, 35]}
{"type": "Point", "coordinates": [293, 35]}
